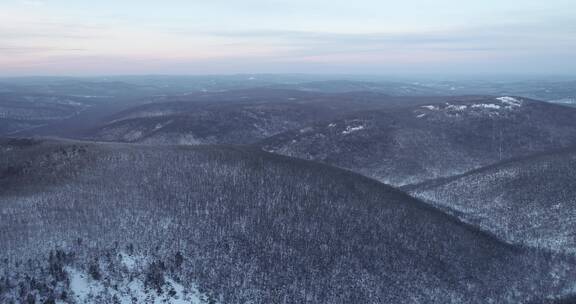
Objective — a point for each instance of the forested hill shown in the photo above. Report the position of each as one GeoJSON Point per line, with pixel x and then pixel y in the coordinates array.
{"type": "Point", "coordinates": [104, 223]}
{"type": "Point", "coordinates": [529, 201]}
{"type": "Point", "coordinates": [429, 141]}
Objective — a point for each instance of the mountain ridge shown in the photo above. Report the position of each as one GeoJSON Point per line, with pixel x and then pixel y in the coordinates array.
{"type": "Point", "coordinates": [412, 144]}
{"type": "Point", "coordinates": [525, 200]}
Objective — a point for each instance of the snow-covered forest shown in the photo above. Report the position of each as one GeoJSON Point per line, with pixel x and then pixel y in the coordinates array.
{"type": "Point", "coordinates": [285, 193]}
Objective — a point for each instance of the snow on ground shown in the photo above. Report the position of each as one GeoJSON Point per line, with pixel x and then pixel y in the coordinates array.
{"type": "Point", "coordinates": [128, 260]}
{"type": "Point", "coordinates": [505, 102]}
{"type": "Point", "coordinates": [511, 101]}
{"type": "Point", "coordinates": [350, 129]}
{"type": "Point", "coordinates": [456, 107]}
{"type": "Point", "coordinates": [87, 290]}
{"type": "Point", "coordinates": [82, 287]}
{"type": "Point", "coordinates": [184, 139]}
{"type": "Point", "coordinates": [133, 135]}
{"type": "Point", "coordinates": [147, 114]}
{"type": "Point", "coordinates": [430, 107]}
{"type": "Point", "coordinates": [487, 106]}
{"type": "Point", "coordinates": [161, 125]}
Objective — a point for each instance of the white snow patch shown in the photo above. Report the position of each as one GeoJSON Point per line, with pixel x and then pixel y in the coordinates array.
{"type": "Point", "coordinates": [421, 115]}
{"type": "Point", "coordinates": [83, 287]}
{"type": "Point", "coordinates": [487, 106]}
{"type": "Point", "coordinates": [189, 140]}
{"type": "Point", "coordinates": [350, 129]}
{"type": "Point", "coordinates": [133, 135]}
{"type": "Point", "coordinates": [128, 260]}
{"type": "Point", "coordinates": [152, 113]}
{"type": "Point", "coordinates": [510, 101]}
{"type": "Point", "coordinates": [456, 107]}
{"type": "Point", "coordinates": [161, 125]}
{"type": "Point", "coordinates": [86, 290]}
{"type": "Point", "coordinates": [332, 125]}
{"type": "Point", "coordinates": [430, 107]}
{"type": "Point", "coordinates": [70, 102]}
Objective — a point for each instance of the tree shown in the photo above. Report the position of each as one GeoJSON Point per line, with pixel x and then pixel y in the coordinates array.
{"type": "Point", "coordinates": [155, 276]}
{"type": "Point", "coordinates": [94, 271]}
{"type": "Point", "coordinates": [178, 259]}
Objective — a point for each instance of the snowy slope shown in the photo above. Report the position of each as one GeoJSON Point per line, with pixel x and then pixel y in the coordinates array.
{"type": "Point", "coordinates": [529, 201]}
{"type": "Point", "coordinates": [238, 225]}
{"type": "Point", "coordinates": [429, 141]}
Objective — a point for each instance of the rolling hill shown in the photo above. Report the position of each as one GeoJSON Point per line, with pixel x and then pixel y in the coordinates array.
{"type": "Point", "coordinates": [19, 112]}
{"type": "Point", "coordinates": [91, 223]}
{"type": "Point", "coordinates": [348, 86]}
{"type": "Point", "coordinates": [411, 144]}
{"type": "Point", "coordinates": [530, 201]}
{"type": "Point", "coordinates": [236, 117]}
{"type": "Point", "coordinates": [192, 123]}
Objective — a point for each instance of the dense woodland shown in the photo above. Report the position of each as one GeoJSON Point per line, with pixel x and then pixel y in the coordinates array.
{"type": "Point", "coordinates": [277, 189]}
{"type": "Point", "coordinates": [245, 226]}
{"type": "Point", "coordinates": [427, 141]}
{"type": "Point", "coordinates": [528, 201]}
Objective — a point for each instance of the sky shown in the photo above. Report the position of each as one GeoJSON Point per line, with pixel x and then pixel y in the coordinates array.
{"type": "Point", "coordinates": [111, 37]}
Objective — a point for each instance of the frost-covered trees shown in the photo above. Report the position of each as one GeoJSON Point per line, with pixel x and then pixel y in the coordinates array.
{"type": "Point", "coordinates": [237, 225]}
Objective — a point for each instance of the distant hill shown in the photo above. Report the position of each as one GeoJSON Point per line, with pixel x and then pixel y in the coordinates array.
{"type": "Point", "coordinates": [19, 112]}
{"type": "Point", "coordinates": [384, 87]}
{"type": "Point", "coordinates": [427, 141]}
{"type": "Point", "coordinates": [92, 222]}
{"type": "Point", "coordinates": [206, 124]}
{"type": "Point", "coordinates": [553, 89]}
{"type": "Point", "coordinates": [529, 201]}
{"type": "Point", "coordinates": [236, 117]}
